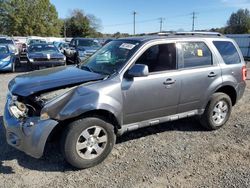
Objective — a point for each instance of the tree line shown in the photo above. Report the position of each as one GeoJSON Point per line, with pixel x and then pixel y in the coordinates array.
{"type": "Point", "coordinates": [238, 23]}
{"type": "Point", "coordinates": [40, 17]}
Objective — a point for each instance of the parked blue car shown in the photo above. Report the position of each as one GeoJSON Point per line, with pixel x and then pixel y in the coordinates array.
{"type": "Point", "coordinates": [7, 58]}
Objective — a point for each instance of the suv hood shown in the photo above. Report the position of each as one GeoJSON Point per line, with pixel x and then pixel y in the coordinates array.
{"type": "Point", "coordinates": [50, 79]}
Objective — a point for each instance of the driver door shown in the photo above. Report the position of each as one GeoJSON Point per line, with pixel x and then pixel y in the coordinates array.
{"type": "Point", "coordinates": [156, 95]}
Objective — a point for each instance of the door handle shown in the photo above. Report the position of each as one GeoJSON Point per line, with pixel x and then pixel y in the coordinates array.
{"type": "Point", "coordinates": [169, 81]}
{"type": "Point", "coordinates": [212, 74]}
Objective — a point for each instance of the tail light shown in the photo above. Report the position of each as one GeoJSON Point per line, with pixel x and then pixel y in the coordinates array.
{"type": "Point", "coordinates": [244, 73]}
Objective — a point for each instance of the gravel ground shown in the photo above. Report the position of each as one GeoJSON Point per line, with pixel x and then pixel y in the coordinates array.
{"type": "Point", "coordinates": [176, 154]}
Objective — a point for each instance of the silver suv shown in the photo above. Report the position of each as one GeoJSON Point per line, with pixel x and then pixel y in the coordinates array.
{"type": "Point", "coordinates": [128, 84]}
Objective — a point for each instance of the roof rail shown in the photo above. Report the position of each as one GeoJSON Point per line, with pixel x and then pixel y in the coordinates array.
{"type": "Point", "coordinates": [200, 33]}
{"type": "Point", "coordinates": [163, 34]}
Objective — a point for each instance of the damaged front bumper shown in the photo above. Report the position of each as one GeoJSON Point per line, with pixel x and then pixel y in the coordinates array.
{"type": "Point", "coordinates": [28, 135]}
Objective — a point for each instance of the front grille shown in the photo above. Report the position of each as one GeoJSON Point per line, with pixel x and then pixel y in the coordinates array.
{"type": "Point", "coordinates": [49, 60]}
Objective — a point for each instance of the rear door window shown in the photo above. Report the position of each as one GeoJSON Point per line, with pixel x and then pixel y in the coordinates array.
{"type": "Point", "coordinates": [195, 54]}
{"type": "Point", "coordinates": [228, 52]}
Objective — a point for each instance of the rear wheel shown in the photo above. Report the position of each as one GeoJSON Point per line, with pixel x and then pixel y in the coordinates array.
{"type": "Point", "coordinates": [217, 111]}
{"type": "Point", "coordinates": [87, 142]}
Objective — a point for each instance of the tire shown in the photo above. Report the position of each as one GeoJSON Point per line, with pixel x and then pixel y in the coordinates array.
{"type": "Point", "coordinates": [18, 62]}
{"type": "Point", "coordinates": [217, 111]}
{"type": "Point", "coordinates": [95, 139]}
{"type": "Point", "coordinates": [30, 66]}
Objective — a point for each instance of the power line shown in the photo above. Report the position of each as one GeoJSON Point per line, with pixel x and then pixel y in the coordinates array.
{"type": "Point", "coordinates": [131, 23]}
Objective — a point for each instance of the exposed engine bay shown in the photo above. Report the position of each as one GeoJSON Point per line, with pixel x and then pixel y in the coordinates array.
{"type": "Point", "coordinates": [23, 107]}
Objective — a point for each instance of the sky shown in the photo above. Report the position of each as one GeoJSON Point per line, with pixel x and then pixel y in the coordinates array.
{"type": "Point", "coordinates": [116, 15]}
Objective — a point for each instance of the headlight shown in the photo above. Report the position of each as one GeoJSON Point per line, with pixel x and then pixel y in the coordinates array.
{"type": "Point", "coordinates": [64, 58]}
{"type": "Point", "coordinates": [44, 116]}
{"type": "Point", "coordinates": [82, 53]}
{"type": "Point", "coordinates": [31, 60]}
{"type": "Point", "coordinates": [6, 59]}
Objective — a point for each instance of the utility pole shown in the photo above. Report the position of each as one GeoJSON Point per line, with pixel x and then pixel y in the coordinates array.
{"type": "Point", "coordinates": [193, 18]}
{"type": "Point", "coordinates": [161, 23]}
{"type": "Point", "coordinates": [134, 13]}
{"type": "Point", "coordinates": [65, 29]}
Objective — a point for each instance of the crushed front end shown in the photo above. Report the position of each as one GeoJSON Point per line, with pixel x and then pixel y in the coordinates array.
{"type": "Point", "coordinates": [25, 129]}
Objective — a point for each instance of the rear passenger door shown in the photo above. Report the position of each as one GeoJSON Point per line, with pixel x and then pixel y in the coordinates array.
{"type": "Point", "coordinates": [200, 73]}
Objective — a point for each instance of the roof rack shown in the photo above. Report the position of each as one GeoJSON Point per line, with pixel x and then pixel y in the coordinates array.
{"type": "Point", "coordinates": [199, 33]}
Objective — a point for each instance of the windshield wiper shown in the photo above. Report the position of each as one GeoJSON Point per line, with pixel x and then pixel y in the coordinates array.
{"type": "Point", "coordinates": [87, 68]}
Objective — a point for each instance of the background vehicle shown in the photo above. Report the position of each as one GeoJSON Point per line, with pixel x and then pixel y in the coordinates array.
{"type": "Point", "coordinates": [44, 55]}
{"type": "Point", "coordinates": [128, 84]}
{"type": "Point", "coordinates": [80, 49]}
{"type": "Point", "coordinates": [107, 41]}
{"type": "Point", "coordinates": [12, 47]}
{"type": "Point", "coordinates": [7, 58]}
{"type": "Point", "coordinates": [62, 46]}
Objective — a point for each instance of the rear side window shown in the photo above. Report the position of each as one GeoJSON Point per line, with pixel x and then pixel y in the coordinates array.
{"type": "Point", "coordinates": [228, 52]}
{"type": "Point", "coordinates": [195, 54]}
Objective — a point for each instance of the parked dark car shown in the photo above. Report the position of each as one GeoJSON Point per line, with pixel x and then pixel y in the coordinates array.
{"type": "Point", "coordinates": [128, 84]}
{"type": "Point", "coordinates": [44, 55]}
{"type": "Point", "coordinates": [7, 58]}
{"type": "Point", "coordinates": [80, 49]}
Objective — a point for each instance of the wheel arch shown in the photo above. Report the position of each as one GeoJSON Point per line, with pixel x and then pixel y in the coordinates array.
{"type": "Point", "coordinates": [99, 113]}
{"type": "Point", "coordinates": [230, 91]}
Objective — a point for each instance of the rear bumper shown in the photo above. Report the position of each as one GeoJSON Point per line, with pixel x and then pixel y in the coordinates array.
{"type": "Point", "coordinates": [29, 135]}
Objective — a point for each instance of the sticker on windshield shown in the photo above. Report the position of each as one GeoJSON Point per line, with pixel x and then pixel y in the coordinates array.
{"type": "Point", "coordinates": [127, 46]}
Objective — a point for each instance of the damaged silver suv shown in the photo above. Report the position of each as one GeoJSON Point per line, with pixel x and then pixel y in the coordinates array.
{"type": "Point", "coordinates": [128, 84]}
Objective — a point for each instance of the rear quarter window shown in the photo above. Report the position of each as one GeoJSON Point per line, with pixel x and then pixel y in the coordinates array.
{"type": "Point", "coordinates": [195, 54]}
{"type": "Point", "coordinates": [228, 52]}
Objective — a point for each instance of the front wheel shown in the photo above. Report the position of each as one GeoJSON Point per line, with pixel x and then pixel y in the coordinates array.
{"type": "Point", "coordinates": [87, 142]}
{"type": "Point", "coordinates": [217, 111]}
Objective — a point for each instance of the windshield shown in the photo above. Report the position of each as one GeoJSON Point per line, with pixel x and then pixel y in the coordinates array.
{"type": "Point", "coordinates": [48, 49]}
{"type": "Point", "coordinates": [36, 41]}
{"type": "Point", "coordinates": [111, 58]}
{"type": "Point", "coordinates": [90, 43]}
{"type": "Point", "coordinates": [6, 41]}
{"type": "Point", "coordinates": [4, 50]}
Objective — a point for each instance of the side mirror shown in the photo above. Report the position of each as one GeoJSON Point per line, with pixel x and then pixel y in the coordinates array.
{"type": "Point", "coordinates": [72, 45]}
{"type": "Point", "coordinates": [138, 70]}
